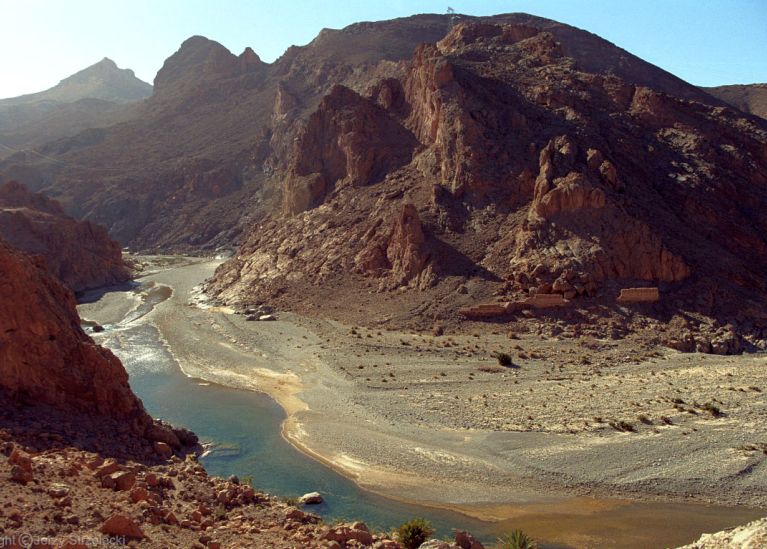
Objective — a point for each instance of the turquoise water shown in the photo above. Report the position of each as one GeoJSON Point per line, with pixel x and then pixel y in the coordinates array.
{"type": "Point", "coordinates": [244, 430]}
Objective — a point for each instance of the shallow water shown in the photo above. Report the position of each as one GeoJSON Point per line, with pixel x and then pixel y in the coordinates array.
{"type": "Point", "coordinates": [243, 429]}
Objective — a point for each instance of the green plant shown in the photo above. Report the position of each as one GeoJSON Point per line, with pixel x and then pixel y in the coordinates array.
{"type": "Point", "coordinates": [291, 501]}
{"type": "Point", "coordinates": [516, 539]}
{"type": "Point", "coordinates": [414, 532]}
{"type": "Point", "coordinates": [504, 359]}
{"type": "Point", "coordinates": [247, 481]}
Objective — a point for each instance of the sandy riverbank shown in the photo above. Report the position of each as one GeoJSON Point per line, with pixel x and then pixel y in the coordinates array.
{"type": "Point", "coordinates": [435, 420]}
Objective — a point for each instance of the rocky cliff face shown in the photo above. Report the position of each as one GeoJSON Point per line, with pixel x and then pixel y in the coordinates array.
{"type": "Point", "coordinates": [44, 354]}
{"type": "Point", "coordinates": [532, 173]}
{"type": "Point", "coordinates": [79, 253]}
{"type": "Point", "coordinates": [207, 156]}
{"type": "Point", "coordinates": [347, 140]}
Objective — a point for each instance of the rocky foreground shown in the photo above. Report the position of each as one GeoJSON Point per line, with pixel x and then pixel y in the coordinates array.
{"type": "Point", "coordinates": [71, 481]}
{"type": "Point", "coordinates": [750, 536]}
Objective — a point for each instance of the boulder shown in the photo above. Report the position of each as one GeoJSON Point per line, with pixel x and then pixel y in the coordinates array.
{"type": "Point", "coordinates": [58, 490]}
{"type": "Point", "coordinates": [21, 466]}
{"type": "Point", "coordinates": [163, 433]}
{"type": "Point", "coordinates": [121, 525]}
{"type": "Point", "coordinates": [312, 498]}
{"type": "Point", "coordinates": [345, 533]}
{"type": "Point", "coordinates": [484, 310]}
{"type": "Point", "coordinates": [123, 480]}
{"type": "Point", "coordinates": [436, 544]}
{"type": "Point", "coordinates": [21, 475]}
{"type": "Point", "coordinates": [139, 494]}
{"type": "Point", "coordinates": [465, 540]}
{"type": "Point", "coordinates": [163, 450]}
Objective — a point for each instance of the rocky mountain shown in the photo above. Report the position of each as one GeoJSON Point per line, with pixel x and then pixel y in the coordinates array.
{"type": "Point", "coordinates": [505, 167]}
{"type": "Point", "coordinates": [45, 356]}
{"type": "Point", "coordinates": [103, 80]}
{"type": "Point", "coordinates": [750, 98]}
{"type": "Point", "coordinates": [80, 253]}
{"type": "Point", "coordinates": [96, 97]}
{"type": "Point", "coordinates": [507, 156]}
{"type": "Point", "coordinates": [205, 157]}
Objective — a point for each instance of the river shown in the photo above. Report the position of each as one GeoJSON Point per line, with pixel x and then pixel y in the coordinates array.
{"type": "Point", "coordinates": [242, 431]}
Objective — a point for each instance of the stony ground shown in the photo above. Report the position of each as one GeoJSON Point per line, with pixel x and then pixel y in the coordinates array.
{"type": "Point", "coordinates": [749, 536]}
{"type": "Point", "coordinates": [74, 482]}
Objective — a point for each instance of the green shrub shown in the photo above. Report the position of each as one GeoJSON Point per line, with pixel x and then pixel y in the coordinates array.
{"type": "Point", "coordinates": [516, 539]}
{"type": "Point", "coordinates": [414, 532]}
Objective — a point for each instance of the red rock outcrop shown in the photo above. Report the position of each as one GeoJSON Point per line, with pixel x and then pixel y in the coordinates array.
{"type": "Point", "coordinates": [79, 253]}
{"type": "Point", "coordinates": [535, 174]}
{"type": "Point", "coordinates": [401, 254]}
{"type": "Point", "coordinates": [44, 354]}
{"type": "Point", "coordinates": [348, 139]}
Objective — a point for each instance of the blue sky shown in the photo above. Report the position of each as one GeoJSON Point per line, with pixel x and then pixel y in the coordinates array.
{"type": "Point", "coordinates": [707, 42]}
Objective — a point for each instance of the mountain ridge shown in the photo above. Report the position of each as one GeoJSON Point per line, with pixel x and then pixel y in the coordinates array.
{"type": "Point", "coordinates": [102, 80]}
{"type": "Point", "coordinates": [750, 98]}
{"type": "Point", "coordinates": [98, 96]}
{"type": "Point", "coordinates": [204, 155]}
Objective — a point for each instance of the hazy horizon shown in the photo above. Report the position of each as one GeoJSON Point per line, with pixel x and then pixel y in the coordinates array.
{"type": "Point", "coordinates": [707, 44]}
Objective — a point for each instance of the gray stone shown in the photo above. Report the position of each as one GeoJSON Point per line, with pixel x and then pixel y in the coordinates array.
{"type": "Point", "coordinates": [312, 498]}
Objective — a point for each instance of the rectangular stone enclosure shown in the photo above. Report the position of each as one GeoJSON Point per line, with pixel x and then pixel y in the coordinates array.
{"type": "Point", "coordinates": [639, 295]}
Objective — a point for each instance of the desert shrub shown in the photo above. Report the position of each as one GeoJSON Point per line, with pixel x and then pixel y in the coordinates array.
{"type": "Point", "coordinates": [414, 532]}
{"type": "Point", "coordinates": [644, 419]}
{"type": "Point", "coordinates": [622, 426]}
{"type": "Point", "coordinates": [504, 359]}
{"type": "Point", "coordinates": [516, 539]}
{"type": "Point", "coordinates": [711, 408]}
